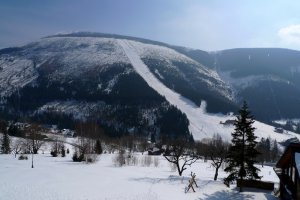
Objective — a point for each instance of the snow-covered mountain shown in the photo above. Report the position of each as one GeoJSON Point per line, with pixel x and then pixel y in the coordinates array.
{"type": "Point", "coordinates": [67, 58]}
{"type": "Point", "coordinates": [126, 84]}
{"type": "Point", "coordinates": [268, 78]}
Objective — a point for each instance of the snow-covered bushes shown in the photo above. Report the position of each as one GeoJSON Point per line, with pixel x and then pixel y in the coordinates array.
{"type": "Point", "coordinates": [87, 148]}
{"type": "Point", "coordinates": [130, 159]}
{"type": "Point", "coordinates": [90, 158]}
{"type": "Point", "coordinates": [119, 159]}
{"type": "Point", "coordinates": [155, 161]}
{"type": "Point", "coordinates": [57, 148]}
{"type": "Point", "coordinates": [23, 157]}
{"type": "Point", "coordinates": [77, 157]}
{"type": "Point", "coordinates": [146, 161]}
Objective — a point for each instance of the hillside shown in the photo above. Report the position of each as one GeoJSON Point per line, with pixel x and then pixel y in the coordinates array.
{"type": "Point", "coordinates": [268, 78]}
{"type": "Point", "coordinates": [93, 78]}
{"type": "Point", "coordinates": [131, 86]}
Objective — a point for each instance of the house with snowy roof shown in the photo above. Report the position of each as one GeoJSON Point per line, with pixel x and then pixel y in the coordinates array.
{"type": "Point", "coordinates": [287, 169]}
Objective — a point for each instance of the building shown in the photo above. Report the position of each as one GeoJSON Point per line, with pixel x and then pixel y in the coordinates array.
{"type": "Point", "coordinates": [155, 151]}
{"type": "Point", "coordinates": [278, 130]}
{"type": "Point", "coordinates": [287, 169]}
{"type": "Point", "coordinates": [229, 122]}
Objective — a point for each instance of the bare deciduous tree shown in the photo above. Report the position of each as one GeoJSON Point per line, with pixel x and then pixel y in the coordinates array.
{"type": "Point", "coordinates": [217, 152]}
{"type": "Point", "coordinates": [35, 140]}
{"type": "Point", "coordinates": [57, 146]}
{"type": "Point", "coordinates": [18, 146]}
{"type": "Point", "coordinates": [180, 154]}
{"type": "Point", "coordinates": [33, 133]}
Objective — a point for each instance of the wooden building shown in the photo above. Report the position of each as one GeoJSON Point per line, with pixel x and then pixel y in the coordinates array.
{"type": "Point", "coordinates": [287, 169]}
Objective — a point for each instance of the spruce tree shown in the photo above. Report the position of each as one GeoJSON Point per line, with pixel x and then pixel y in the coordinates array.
{"type": "Point", "coordinates": [242, 153]}
{"type": "Point", "coordinates": [63, 151]}
{"type": "Point", "coordinates": [268, 149]}
{"type": "Point", "coordinates": [298, 128]}
{"type": "Point", "coordinates": [275, 152]}
{"type": "Point", "coordinates": [5, 146]}
{"type": "Point", "coordinates": [260, 147]}
{"type": "Point", "coordinates": [98, 147]}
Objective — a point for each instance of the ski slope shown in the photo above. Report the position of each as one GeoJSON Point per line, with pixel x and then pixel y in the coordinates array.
{"type": "Point", "coordinates": [202, 125]}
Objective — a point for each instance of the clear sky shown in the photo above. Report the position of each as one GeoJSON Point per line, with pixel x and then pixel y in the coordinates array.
{"type": "Point", "coordinates": [202, 24]}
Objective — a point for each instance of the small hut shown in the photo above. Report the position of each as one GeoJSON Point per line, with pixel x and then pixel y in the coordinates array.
{"type": "Point", "coordinates": [287, 169]}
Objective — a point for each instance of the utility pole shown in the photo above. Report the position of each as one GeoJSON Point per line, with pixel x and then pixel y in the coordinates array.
{"type": "Point", "coordinates": [32, 159]}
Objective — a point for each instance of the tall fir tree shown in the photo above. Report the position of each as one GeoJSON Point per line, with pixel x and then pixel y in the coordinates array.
{"type": "Point", "coordinates": [275, 152]}
{"type": "Point", "coordinates": [298, 127]}
{"type": "Point", "coordinates": [268, 149]}
{"type": "Point", "coordinates": [5, 146]}
{"type": "Point", "coordinates": [242, 153]}
{"type": "Point", "coordinates": [98, 147]}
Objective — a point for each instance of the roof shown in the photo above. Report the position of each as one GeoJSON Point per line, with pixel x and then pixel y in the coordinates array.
{"type": "Point", "coordinates": [287, 155]}
{"type": "Point", "coordinates": [297, 161]}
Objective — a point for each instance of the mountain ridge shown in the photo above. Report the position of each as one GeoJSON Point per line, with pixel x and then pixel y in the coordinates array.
{"type": "Point", "coordinates": [94, 69]}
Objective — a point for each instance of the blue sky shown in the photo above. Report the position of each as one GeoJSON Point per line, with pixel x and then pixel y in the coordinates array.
{"type": "Point", "coordinates": [202, 24]}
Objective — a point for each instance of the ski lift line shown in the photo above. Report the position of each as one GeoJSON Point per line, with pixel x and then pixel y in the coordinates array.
{"type": "Point", "coordinates": [274, 99]}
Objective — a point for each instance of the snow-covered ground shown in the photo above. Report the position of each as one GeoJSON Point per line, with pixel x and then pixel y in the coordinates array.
{"type": "Point", "coordinates": [61, 179]}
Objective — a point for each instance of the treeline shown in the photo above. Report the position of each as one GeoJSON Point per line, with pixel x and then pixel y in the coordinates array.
{"type": "Point", "coordinates": [289, 125]}
{"type": "Point", "coordinates": [269, 151]}
{"type": "Point", "coordinates": [162, 122]}
{"type": "Point", "coordinates": [160, 130]}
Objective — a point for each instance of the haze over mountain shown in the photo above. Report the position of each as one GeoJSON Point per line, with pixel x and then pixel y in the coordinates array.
{"type": "Point", "coordinates": [135, 85]}
{"type": "Point", "coordinates": [267, 78]}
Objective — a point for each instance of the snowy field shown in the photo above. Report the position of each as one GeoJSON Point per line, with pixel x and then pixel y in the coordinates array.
{"type": "Point", "coordinates": [61, 179]}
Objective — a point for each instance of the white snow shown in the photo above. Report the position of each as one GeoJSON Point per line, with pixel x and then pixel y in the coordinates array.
{"type": "Point", "coordinates": [76, 57]}
{"type": "Point", "coordinates": [72, 55]}
{"type": "Point", "coordinates": [77, 54]}
{"type": "Point", "coordinates": [114, 80]}
{"type": "Point", "coordinates": [295, 70]}
{"type": "Point", "coordinates": [248, 81]}
{"type": "Point", "coordinates": [159, 52]}
{"type": "Point", "coordinates": [236, 84]}
{"type": "Point", "coordinates": [240, 83]}
{"type": "Point", "coordinates": [80, 50]}
{"type": "Point", "coordinates": [15, 73]}
{"type": "Point", "coordinates": [159, 75]}
{"type": "Point", "coordinates": [61, 179]}
{"type": "Point", "coordinates": [202, 124]}
{"type": "Point", "coordinates": [168, 55]}
{"type": "Point", "coordinates": [111, 84]}
{"type": "Point", "coordinates": [284, 121]}
{"type": "Point", "coordinates": [79, 109]}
